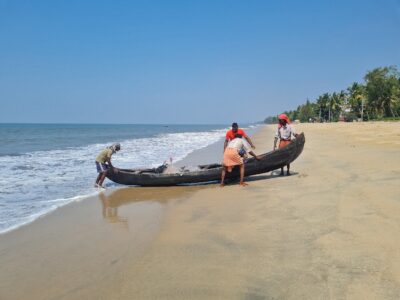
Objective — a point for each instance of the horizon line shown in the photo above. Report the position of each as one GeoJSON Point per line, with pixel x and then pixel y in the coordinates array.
{"type": "Point", "coordinates": [76, 123]}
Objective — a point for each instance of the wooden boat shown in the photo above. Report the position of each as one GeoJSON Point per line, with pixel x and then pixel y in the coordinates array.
{"type": "Point", "coordinates": [154, 177]}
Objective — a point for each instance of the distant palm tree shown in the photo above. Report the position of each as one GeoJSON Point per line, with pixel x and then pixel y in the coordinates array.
{"type": "Point", "coordinates": [335, 102]}
{"type": "Point", "coordinates": [356, 99]}
{"type": "Point", "coordinates": [383, 91]}
{"type": "Point", "coordinates": [322, 103]}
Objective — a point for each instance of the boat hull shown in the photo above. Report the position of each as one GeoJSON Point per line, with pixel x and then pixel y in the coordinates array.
{"type": "Point", "coordinates": [269, 161]}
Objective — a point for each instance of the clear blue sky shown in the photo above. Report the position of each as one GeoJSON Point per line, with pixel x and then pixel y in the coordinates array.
{"type": "Point", "coordinates": [184, 61]}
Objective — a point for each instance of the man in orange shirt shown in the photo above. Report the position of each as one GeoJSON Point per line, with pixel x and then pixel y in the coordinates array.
{"type": "Point", "coordinates": [231, 134]}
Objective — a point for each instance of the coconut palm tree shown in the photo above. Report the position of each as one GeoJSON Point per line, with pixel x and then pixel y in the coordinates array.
{"type": "Point", "coordinates": [356, 99]}
{"type": "Point", "coordinates": [383, 91]}
{"type": "Point", "coordinates": [322, 103]}
{"type": "Point", "coordinates": [334, 105]}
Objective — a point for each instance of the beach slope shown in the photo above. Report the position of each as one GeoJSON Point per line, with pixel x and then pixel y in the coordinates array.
{"type": "Point", "coordinates": [329, 231]}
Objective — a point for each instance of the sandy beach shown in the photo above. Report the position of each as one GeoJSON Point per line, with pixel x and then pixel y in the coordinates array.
{"type": "Point", "coordinates": [329, 231]}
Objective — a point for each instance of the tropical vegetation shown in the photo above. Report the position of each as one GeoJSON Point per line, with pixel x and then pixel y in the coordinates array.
{"type": "Point", "coordinates": [378, 98]}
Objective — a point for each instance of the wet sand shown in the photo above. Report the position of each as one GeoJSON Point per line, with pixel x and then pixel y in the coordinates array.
{"type": "Point", "coordinates": [329, 231]}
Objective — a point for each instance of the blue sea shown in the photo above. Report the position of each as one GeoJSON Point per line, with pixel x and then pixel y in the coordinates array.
{"type": "Point", "coordinates": [45, 166]}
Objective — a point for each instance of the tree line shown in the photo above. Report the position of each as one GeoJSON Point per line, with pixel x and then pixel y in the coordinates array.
{"type": "Point", "coordinates": [376, 99]}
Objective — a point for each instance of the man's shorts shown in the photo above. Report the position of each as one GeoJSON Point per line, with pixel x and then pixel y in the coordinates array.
{"type": "Point", "coordinates": [102, 168]}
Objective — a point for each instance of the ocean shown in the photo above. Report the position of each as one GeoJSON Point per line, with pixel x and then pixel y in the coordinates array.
{"type": "Point", "coordinates": [46, 166]}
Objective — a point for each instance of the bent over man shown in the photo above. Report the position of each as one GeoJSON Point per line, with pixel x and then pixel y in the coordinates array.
{"type": "Point", "coordinates": [103, 163]}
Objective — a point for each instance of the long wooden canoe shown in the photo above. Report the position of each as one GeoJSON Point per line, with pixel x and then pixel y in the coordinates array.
{"type": "Point", "coordinates": [154, 177]}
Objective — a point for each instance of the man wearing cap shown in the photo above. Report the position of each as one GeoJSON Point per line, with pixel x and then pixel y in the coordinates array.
{"type": "Point", "coordinates": [103, 163]}
{"type": "Point", "coordinates": [231, 134]}
{"type": "Point", "coordinates": [284, 133]}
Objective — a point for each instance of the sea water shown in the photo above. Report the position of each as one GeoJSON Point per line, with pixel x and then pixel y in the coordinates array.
{"type": "Point", "coordinates": [45, 166]}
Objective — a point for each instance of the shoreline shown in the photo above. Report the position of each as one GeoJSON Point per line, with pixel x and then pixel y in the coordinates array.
{"type": "Point", "coordinates": [48, 171]}
{"type": "Point", "coordinates": [327, 231]}
{"type": "Point", "coordinates": [198, 156]}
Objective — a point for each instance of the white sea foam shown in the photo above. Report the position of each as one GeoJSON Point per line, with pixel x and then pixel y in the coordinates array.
{"type": "Point", "coordinates": [34, 184]}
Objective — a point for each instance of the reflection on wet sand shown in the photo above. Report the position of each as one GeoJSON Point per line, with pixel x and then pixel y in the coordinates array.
{"type": "Point", "coordinates": [110, 212]}
{"type": "Point", "coordinates": [112, 201]}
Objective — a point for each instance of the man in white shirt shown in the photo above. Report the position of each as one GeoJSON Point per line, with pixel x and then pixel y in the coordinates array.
{"type": "Point", "coordinates": [284, 133]}
{"type": "Point", "coordinates": [233, 158]}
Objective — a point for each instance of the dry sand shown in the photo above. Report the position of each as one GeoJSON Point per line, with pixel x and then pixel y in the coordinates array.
{"type": "Point", "coordinates": [329, 231]}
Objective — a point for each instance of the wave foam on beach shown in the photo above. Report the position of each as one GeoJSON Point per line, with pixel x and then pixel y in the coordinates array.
{"type": "Point", "coordinates": [37, 183]}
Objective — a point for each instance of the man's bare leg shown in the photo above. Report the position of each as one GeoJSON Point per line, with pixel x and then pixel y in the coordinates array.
{"type": "Point", "coordinates": [242, 183]}
{"type": "Point", "coordinates": [288, 170]}
{"type": "Point", "coordinates": [97, 180]}
{"type": "Point", "coordinates": [223, 177]}
{"type": "Point", "coordinates": [103, 176]}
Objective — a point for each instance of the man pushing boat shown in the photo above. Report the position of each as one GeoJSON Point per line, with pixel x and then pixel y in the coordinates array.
{"type": "Point", "coordinates": [233, 156]}
{"type": "Point", "coordinates": [231, 134]}
{"type": "Point", "coordinates": [103, 163]}
{"type": "Point", "coordinates": [284, 133]}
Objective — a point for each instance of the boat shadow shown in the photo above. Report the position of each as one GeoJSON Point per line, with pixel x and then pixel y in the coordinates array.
{"type": "Point", "coordinates": [252, 178]}
{"type": "Point", "coordinates": [270, 176]}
